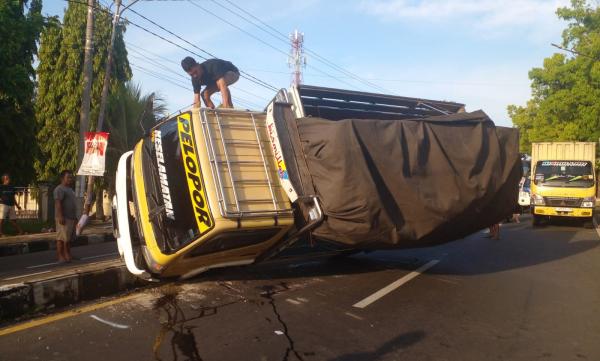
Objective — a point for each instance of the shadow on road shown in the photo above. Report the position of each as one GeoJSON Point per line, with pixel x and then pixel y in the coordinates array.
{"type": "Point", "coordinates": [520, 246]}
{"type": "Point", "coordinates": [392, 346]}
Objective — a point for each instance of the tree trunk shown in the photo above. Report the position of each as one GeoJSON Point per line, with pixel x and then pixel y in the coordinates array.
{"type": "Point", "coordinates": [99, 204]}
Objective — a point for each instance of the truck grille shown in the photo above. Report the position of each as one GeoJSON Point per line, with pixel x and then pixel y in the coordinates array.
{"type": "Point", "coordinates": [563, 201]}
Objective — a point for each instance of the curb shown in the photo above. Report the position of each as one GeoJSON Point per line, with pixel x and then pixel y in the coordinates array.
{"type": "Point", "coordinates": [50, 244]}
{"type": "Point", "coordinates": [42, 295]}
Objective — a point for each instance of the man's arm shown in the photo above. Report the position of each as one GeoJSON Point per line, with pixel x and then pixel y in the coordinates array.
{"type": "Point", "coordinates": [59, 211]}
{"type": "Point", "coordinates": [196, 100]}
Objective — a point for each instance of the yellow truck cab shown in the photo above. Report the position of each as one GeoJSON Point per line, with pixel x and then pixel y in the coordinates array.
{"type": "Point", "coordinates": [200, 191]}
{"type": "Point", "coordinates": [563, 181]}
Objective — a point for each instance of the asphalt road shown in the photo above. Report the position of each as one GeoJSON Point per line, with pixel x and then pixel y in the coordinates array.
{"type": "Point", "coordinates": [533, 295]}
{"type": "Point", "coordinates": [38, 262]}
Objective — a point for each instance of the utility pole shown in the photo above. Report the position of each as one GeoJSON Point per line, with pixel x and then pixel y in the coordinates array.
{"type": "Point", "coordinates": [105, 88]}
{"type": "Point", "coordinates": [297, 59]}
{"type": "Point", "coordinates": [103, 99]}
{"type": "Point", "coordinates": [84, 114]}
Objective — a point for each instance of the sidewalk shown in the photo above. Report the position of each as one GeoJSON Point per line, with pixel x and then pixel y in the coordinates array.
{"type": "Point", "coordinates": [32, 281]}
{"type": "Point", "coordinates": [94, 232]}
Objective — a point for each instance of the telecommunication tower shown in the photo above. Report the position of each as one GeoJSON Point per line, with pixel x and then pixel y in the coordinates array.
{"type": "Point", "coordinates": [297, 59]}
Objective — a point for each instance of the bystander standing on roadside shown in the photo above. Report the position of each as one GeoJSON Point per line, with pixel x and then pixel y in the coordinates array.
{"type": "Point", "coordinates": [8, 202]}
{"type": "Point", "coordinates": [66, 216]}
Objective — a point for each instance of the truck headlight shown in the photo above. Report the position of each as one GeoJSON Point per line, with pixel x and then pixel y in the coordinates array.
{"type": "Point", "coordinates": [537, 200]}
{"type": "Point", "coordinates": [588, 202]}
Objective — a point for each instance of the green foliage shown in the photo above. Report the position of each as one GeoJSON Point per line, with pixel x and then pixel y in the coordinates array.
{"type": "Point", "coordinates": [19, 31]}
{"type": "Point", "coordinates": [60, 74]}
{"type": "Point", "coordinates": [129, 114]}
{"type": "Point", "coordinates": [565, 102]}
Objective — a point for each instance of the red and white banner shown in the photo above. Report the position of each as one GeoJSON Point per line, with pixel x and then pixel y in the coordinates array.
{"type": "Point", "coordinates": [94, 155]}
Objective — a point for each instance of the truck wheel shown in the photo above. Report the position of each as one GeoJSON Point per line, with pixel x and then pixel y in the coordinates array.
{"type": "Point", "coordinates": [536, 220]}
{"type": "Point", "coordinates": [589, 223]}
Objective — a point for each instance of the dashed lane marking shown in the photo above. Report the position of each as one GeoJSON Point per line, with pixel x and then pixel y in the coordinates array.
{"type": "Point", "coordinates": [27, 275]}
{"type": "Point", "coordinates": [392, 286]}
{"type": "Point", "coordinates": [100, 255]}
{"type": "Point", "coordinates": [354, 316]}
{"type": "Point", "coordinates": [42, 265]}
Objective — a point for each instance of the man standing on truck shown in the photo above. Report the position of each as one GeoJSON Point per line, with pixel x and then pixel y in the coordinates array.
{"type": "Point", "coordinates": [216, 75]}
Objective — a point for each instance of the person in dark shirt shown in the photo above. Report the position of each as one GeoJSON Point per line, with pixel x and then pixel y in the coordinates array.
{"type": "Point", "coordinates": [215, 75]}
{"type": "Point", "coordinates": [8, 202]}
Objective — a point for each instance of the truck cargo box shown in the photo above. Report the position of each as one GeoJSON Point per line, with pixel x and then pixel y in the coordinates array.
{"type": "Point", "coordinates": [398, 176]}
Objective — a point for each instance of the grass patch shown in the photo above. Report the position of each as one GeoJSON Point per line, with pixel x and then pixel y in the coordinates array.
{"type": "Point", "coordinates": [28, 225]}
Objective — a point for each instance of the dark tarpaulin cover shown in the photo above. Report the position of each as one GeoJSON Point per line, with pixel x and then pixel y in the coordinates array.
{"type": "Point", "coordinates": [410, 183]}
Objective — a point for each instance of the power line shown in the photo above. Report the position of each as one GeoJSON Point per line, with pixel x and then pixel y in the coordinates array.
{"type": "Point", "coordinates": [243, 74]}
{"type": "Point", "coordinates": [282, 37]}
{"type": "Point", "coordinates": [163, 66]}
{"type": "Point", "coordinates": [152, 53]}
{"type": "Point", "coordinates": [261, 41]}
{"type": "Point", "coordinates": [160, 76]}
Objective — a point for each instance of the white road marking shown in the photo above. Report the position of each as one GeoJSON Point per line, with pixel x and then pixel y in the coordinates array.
{"type": "Point", "coordinates": [42, 265]}
{"type": "Point", "coordinates": [294, 302]}
{"type": "Point", "coordinates": [115, 325]}
{"type": "Point", "coordinates": [354, 316]}
{"type": "Point", "coordinates": [84, 258]}
{"type": "Point", "coordinates": [447, 280]}
{"type": "Point", "coordinates": [31, 274]}
{"type": "Point", "coordinates": [392, 286]}
{"type": "Point", "coordinates": [301, 299]}
{"type": "Point", "coordinates": [100, 255]}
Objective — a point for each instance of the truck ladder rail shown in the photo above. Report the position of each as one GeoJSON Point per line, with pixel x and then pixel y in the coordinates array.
{"type": "Point", "coordinates": [238, 156]}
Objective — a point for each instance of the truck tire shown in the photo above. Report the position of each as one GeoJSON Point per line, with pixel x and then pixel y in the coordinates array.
{"type": "Point", "coordinates": [536, 220]}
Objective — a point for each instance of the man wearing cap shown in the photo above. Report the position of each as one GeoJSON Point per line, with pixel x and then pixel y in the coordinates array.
{"type": "Point", "coordinates": [216, 75]}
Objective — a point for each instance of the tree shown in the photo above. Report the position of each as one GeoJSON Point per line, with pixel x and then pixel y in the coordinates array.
{"type": "Point", "coordinates": [19, 32]}
{"type": "Point", "coordinates": [565, 102]}
{"type": "Point", "coordinates": [60, 74]}
{"type": "Point", "coordinates": [129, 115]}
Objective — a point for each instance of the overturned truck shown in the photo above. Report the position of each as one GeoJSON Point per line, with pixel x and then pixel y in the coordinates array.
{"type": "Point", "coordinates": [349, 170]}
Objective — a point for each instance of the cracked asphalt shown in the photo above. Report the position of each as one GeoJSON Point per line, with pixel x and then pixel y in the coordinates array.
{"type": "Point", "coordinates": [532, 295]}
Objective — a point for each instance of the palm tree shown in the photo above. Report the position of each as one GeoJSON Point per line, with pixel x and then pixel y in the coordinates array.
{"type": "Point", "coordinates": [129, 115]}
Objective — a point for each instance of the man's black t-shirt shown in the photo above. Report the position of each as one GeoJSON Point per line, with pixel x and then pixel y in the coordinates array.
{"type": "Point", "coordinates": [213, 69]}
{"type": "Point", "coordinates": [7, 195]}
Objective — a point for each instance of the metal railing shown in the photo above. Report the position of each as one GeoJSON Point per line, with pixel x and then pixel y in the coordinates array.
{"type": "Point", "coordinates": [28, 198]}
{"type": "Point", "coordinates": [233, 174]}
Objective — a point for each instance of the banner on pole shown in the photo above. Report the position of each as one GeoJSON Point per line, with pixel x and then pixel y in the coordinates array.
{"type": "Point", "coordinates": [94, 155]}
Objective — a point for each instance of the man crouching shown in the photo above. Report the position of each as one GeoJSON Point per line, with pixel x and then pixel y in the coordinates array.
{"type": "Point", "coordinates": [216, 75]}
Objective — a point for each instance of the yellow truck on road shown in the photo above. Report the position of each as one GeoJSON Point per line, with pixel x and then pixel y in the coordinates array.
{"type": "Point", "coordinates": [563, 181]}
{"type": "Point", "coordinates": [322, 170]}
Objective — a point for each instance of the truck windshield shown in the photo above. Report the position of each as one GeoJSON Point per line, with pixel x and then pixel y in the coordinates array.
{"type": "Point", "coordinates": [177, 204]}
{"type": "Point", "coordinates": [564, 173]}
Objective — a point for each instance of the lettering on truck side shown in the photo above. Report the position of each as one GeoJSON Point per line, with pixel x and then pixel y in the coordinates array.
{"type": "Point", "coordinates": [162, 173]}
{"type": "Point", "coordinates": [195, 184]}
{"type": "Point", "coordinates": [281, 168]}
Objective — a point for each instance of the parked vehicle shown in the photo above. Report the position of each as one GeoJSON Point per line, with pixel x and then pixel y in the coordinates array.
{"type": "Point", "coordinates": [525, 184]}
{"type": "Point", "coordinates": [346, 170]}
{"type": "Point", "coordinates": [563, 180]}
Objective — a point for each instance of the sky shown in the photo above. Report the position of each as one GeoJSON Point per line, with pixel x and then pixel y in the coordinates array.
{"type": "Point", "coordinates": [475, 52]}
